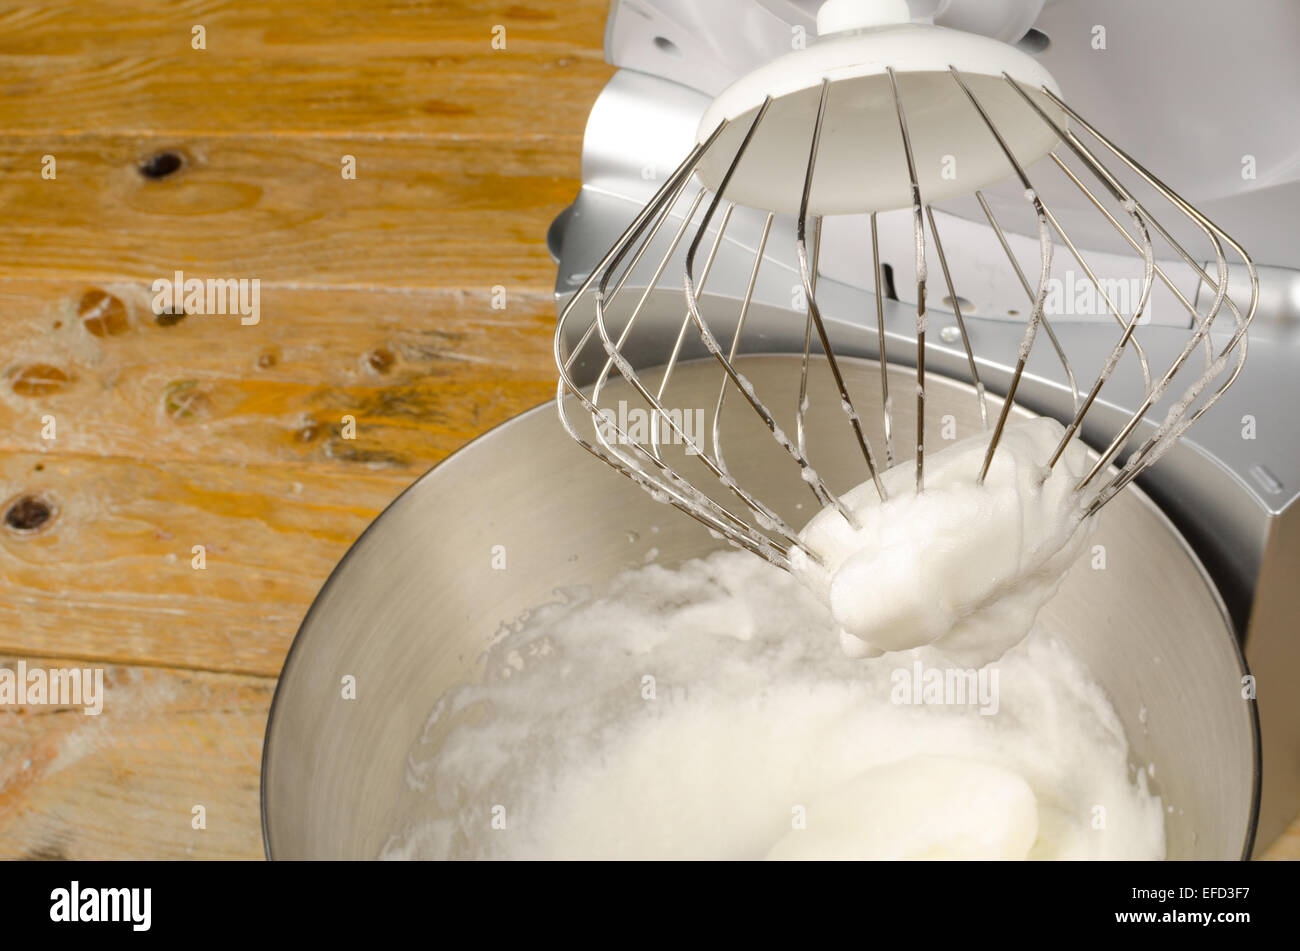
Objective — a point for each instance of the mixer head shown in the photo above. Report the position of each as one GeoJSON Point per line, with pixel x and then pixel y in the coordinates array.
{"type": "Point", "coordinates": [881, 114]}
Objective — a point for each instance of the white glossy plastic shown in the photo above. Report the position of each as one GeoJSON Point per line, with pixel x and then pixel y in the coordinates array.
{"type": "Point", "coordinates": [861, 164]}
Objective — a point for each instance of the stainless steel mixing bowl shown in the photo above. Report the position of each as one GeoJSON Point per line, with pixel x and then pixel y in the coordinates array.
{"type": "Point", "coordinates": [411, 607]}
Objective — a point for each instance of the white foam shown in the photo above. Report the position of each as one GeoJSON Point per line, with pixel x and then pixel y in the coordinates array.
{"type": "Point", "coordinates": [758, 724]}
{"type": "Point", "coordinates": [961, 565]}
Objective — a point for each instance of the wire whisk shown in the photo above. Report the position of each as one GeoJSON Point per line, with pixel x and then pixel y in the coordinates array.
{"type": "Point", "coordinates": [686, 225]}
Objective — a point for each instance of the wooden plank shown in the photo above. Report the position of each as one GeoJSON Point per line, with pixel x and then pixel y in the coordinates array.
{"type": "Point", "coordinates": [1287, 846]}
{"type": "Point", "coordinates": [98, 561]}
{"type": "Point", "coordinates": [420, 373]}
{"type": "Point", "coordinates": [468, 213]}
{"type": "Point", "coordinates": [423, 67]}
{"type": "Point", "coordinates": [124, 784]}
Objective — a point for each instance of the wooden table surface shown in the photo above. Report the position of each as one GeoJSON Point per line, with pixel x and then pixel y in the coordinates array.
{"type": "Point", "coordinates": [170, 433]}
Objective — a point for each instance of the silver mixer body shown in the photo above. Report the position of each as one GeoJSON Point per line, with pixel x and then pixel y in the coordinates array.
{"type": "Point", "coordinates": [1232, 485]}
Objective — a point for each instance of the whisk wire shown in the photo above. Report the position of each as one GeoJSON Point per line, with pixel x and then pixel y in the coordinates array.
{"type": "Point", "coordinates": [887, 404]}
{"type": "Point", "coordinates": [922, 275]}
{"type": "Point", "coordinates": [956, 311]}
{"type": "Point", "coordinates": [814, 312]}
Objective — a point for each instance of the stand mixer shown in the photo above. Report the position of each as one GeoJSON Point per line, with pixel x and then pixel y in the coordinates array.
{"type": "Point", "coordinates": [794, 201]}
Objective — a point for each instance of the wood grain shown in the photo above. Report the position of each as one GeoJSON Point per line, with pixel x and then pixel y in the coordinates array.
{"type": "Point", "coordinates": [394, 68]}
{"type": "Point", "coordinates": [124, 784]}
{"type": "Point", "coordinates": [428, 213]}
{"type": "Point", "coordinates": [420, 373]}
{"type": "Point", "coordinates": [110, 575]}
